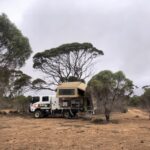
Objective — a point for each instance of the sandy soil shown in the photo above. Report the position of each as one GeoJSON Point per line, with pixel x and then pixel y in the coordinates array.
{"type": "Point", "coordinates": [130, 131]}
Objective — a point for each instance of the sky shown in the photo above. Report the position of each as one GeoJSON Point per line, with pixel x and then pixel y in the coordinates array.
{"type": "Point", "coordinates": [121, 28]}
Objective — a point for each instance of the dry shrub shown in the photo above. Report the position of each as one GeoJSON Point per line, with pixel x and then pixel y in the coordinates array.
{"type": "Point", "coordinates": [18, 104]}
{"type": "Point", "coordinates": [21, 104]}
{"type": "Point", "coordinates": [5, 103]}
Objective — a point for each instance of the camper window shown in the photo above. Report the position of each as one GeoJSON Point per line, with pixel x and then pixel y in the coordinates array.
{"type": "Point", "coordinates": [66, 91]}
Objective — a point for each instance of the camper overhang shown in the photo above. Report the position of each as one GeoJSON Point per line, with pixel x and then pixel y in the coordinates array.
{"type": "Point", "coordinates": [70, 89]}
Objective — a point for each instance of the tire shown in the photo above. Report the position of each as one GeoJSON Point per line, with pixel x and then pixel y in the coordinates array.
{"type": "Point", "coordinates": [38, 114]}
{"type": "Point", "coordinates": [75, 115]}
{"type": "Point", "coordinates": [67, 115]}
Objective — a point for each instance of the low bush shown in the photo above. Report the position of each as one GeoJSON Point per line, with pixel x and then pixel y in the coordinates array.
{"type": "Point", "coordinates": [5, 103]}
{"type": "Point", "coordinates": [21, 104]}
{"type": "Point", "coordinates": [135, 101]}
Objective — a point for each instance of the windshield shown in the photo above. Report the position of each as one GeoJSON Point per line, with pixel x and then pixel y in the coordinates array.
{"type": "Point", "coordinates": [35, 99]}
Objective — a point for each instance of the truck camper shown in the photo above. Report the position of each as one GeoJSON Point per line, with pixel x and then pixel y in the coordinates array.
{"type": "Point", "coordinates": [69, 101]}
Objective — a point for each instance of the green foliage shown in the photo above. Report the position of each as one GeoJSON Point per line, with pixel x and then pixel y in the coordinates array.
{"type": "Point", "coordinates": [65, 49]}
{"type": "Point", "coordinates": [147, 93]}
{"type": "Point", "coordinates": [5, 103]}
{"type": "Point", "coordinates": [38, 81]}
{"type": "Point", "coordinates": [108, 89]}
{"type": "Point", "coordinates": [101, 81]}
{"type": "Point", "coordinates": [39, 84]}
{"type": "Point", "coordinates": [135, 101]}
{"type": "Point", "coordinates": [15, 83]}
{"type": "Point", "coordinates": [14, 47]}
{"type": "Point", "coordinates": [4, 80]}
{"type": "Point", "coordinates": [21, 103]}
{"type": "Point", "coordinates": [62, 63]}
{"type": "Point", "coordinates": [146, 99]}
{"type": "Point", "coordinates": [14, 51]}
{"type": "Point", "coordinates": [23, 81]}
{"type": "Point", "coordinates": [19, 83]}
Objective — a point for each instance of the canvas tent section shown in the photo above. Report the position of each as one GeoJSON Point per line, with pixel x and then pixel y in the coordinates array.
{"type": "Point", "coordinates": [71, 90]}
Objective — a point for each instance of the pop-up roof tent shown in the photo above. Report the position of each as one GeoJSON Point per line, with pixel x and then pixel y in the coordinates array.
{"type": "Point", "coordinates": [71, 89]}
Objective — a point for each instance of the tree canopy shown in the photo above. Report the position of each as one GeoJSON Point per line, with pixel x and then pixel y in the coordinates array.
{"type": "Point", "coordinates": [16, 83]}
{"type": "Point", "coordinates": [66, 61]}
{"type": "Point", "coordinates": [14, 47]}
{"type": "Point", "coordinates": [14, 51]}
{"type": "Point", "coordinates": [106, 88]}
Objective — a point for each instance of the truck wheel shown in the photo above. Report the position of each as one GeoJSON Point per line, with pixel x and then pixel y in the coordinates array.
{"type": "Point", "coordinates": [67, 115]}
{"type": "Point", "coordinates": [75, 115]}
{"type": "Point", "coordinates": [38, 114]}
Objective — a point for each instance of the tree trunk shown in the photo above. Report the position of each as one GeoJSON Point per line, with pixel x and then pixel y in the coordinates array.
{"type": "Point", "coordinates": [107, 116]}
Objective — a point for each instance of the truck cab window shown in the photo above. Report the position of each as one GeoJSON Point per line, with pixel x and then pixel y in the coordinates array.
{"type": "Point", "coordinates": [35, 99]}
{"type": "Point", "coordinates": [45, 99]}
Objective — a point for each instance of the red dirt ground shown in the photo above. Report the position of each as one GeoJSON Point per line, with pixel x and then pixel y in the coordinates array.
{"type": "Point", "coordinates": [130, 131]}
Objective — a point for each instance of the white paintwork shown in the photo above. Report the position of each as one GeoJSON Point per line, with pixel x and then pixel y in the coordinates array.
{"type": "Point", "coordinates": [53, 101]}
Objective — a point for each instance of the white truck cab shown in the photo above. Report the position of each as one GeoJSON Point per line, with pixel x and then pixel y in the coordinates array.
{"type": "Point", "coordinates": [43, 105]}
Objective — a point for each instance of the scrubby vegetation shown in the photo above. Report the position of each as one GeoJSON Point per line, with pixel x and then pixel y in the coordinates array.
{"type": "Point", "coordinates": [134, 101]}
{"type": "Point", "coordinates": [20, 104]}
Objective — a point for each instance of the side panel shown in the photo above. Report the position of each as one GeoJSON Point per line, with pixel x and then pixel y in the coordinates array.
{"type": "Point", "coordinates": [55, 103]}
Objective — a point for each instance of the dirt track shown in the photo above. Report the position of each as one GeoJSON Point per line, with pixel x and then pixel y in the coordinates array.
{"type": "Point", "coordinates": [131, 131]}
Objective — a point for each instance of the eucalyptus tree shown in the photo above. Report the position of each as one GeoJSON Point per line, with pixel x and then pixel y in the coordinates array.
{"type": "Point", "coordinates": [60, 64]}
{"type": "Point", "coordinates": [16, 83]}
{"type": "Point", "coordinates": [14, 50]}
{"type": "Point", "coordinates": [107, 89]}
{"type": "Point", "coordinates": [14, 47]}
